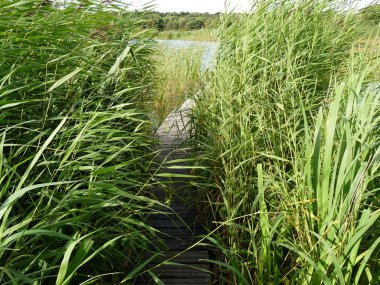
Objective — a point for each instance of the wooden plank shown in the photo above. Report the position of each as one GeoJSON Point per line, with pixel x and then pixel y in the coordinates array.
{"type": "Point", "coordinates": [164, 271]}
{"type": "Point", "coordinates": [185, 281]}
{"type": "Point", "coordinates": [177, 243]}
{"type": "Point", "coordinates": [187, 256]}
{"type": "Point", "coordinates": [179, 225]}
{"type": "Point", "coordinates": [175, 281]}
{"type": "Point", "coordinates": [180, 234]}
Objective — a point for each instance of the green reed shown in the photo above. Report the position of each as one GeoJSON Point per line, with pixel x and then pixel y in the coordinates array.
{"type": "Point", "coordinates": [288, 128]}
{"type": "Point", "coordinates": [75, 144]}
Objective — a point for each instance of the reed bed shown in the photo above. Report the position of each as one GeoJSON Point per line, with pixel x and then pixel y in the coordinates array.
{"type": "Point", "coordinates": [178, 71]}
{"type": "Point", "coordinates": [288, 129]}
{"type": "Point", "coordinates": [75, 143]}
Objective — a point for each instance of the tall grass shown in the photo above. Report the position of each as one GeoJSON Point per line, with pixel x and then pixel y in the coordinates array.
{"type": "Point", "coordinates": [178, 77]}
{"type": "Point", "coordinates": [289, 131]}
{"type": "Point", "coordinates": [75, 144]}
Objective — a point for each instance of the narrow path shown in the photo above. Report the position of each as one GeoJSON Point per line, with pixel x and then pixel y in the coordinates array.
{"type": "Point", "coordinates": [179, 230]}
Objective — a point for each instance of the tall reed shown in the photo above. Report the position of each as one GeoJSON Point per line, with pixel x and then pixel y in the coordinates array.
{"type": "Point", "coordinates": [178, 76]}
{"type": "Point", "coordinates": [75, 143]}
{"type": "Point", "coordinates": [288, 130]}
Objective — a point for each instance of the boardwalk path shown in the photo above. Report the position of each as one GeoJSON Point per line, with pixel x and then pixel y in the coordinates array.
{"type": "Point", "coordinates": [180, 230]}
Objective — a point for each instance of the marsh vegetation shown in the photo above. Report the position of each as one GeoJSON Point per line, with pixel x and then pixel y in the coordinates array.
{"type": "Point", "coordinates": [289, 128]}
{"type": "Point", "coordinates": [285, 132]}
{"type": "Point", "coordinates": [75, 144]}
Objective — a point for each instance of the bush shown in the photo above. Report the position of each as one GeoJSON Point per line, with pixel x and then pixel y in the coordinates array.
{"type": "Point", "coordinates": [195, 25]}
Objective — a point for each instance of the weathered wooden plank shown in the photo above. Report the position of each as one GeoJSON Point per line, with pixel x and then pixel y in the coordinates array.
{"type": "Point", "coordinates": [166, 271]}
{"type": "Point", "coordinates": [176, 224]}
{"type": "Point", "coordinates": [193, 255]}
{"type": "Point", "coordinates": [179, 225]}
{"type": "Point", "coordinates": [176, 281]}
{"type": "Point", "coordinates": [175, 244]}
{"type": "Point", "coordinates": [185, 281]}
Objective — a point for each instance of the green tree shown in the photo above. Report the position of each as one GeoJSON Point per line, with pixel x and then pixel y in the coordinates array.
{"type": "Point", "coordinates": [195, 24]}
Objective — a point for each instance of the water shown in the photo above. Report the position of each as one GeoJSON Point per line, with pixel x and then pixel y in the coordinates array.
{"type": "Point", "coordinates": [209, 53]}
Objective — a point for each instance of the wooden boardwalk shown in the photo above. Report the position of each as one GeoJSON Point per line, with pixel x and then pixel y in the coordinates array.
{"type": "Point", "coordinates": [180, 229]}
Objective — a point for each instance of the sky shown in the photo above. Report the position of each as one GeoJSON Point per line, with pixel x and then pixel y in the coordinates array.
{"type": "Point", "coordinates": [211, 6]}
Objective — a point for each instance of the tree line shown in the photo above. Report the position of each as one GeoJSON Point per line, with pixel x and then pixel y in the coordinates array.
{"type": "Point", "coordinates": [181, 21]}
{"type": "Point", "coordinates": [196, 21]}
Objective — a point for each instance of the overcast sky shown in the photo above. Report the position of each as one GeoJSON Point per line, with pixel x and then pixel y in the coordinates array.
{"type": "Point", "coordinates": [211, 6]}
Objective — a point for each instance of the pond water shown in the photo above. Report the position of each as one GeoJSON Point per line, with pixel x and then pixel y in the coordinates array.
{"type": "Point", "coordinates": [209, 53]}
